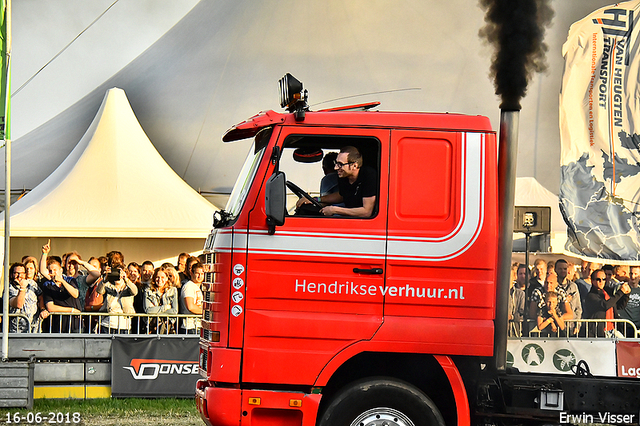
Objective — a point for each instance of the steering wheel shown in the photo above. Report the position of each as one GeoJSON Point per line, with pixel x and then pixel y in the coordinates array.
{"type": "Point", "coordinates": [301, 193]}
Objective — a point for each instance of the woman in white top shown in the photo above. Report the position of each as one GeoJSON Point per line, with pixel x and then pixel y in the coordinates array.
{"type": "Point", "coordinates": [191, 299]}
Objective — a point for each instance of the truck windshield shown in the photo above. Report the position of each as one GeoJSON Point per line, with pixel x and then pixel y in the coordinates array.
{"type": "Point", "coordinates": [243, 183]}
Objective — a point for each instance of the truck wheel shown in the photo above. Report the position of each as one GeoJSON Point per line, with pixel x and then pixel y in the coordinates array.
{"type": "Point", "coordinates": [383, 401]}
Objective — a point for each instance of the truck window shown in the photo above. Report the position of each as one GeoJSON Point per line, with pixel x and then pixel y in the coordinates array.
{"type": "Point", "coordinates": [431, 185]}
{"type": "Point", "coordinates": [433, 202]}
{"type": "Point", "coordinates": [309, 162]}
{"type": "Point", "coordinates": [244, 181]}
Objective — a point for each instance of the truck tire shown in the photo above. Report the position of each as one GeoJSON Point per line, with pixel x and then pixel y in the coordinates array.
{"type": "Point", "coordinates": [381, 401]}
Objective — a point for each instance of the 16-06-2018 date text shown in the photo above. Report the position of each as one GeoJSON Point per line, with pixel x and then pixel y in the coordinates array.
{"type": "Point", "coordinates": [39, 418]}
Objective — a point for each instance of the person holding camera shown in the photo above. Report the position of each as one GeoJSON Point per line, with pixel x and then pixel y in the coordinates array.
{"type": "Point", "coordinates": [23, 299]}
{"type": "Point", "coordinates": [550, 321]}
{"type": "Point", "coordinates": [119, 293]}
{"type": "Point", "coordinates": [603, 303]}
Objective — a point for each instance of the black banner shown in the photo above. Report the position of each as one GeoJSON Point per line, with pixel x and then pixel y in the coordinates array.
{"type": "Point", "coordinates": [152, 367]}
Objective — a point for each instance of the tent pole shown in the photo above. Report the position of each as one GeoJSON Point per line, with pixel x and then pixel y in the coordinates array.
{"type": "Point", "coordinates": [7, 182]}
{"type": "Point", "coordinates": [7, 238]}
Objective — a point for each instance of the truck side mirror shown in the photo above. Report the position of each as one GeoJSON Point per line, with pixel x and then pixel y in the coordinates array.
{"type": "Point", "coordinates": [275, 201]}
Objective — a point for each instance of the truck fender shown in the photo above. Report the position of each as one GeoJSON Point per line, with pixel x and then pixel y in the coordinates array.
{"type": "Point", "coordinates": [457, 386]}
{"type": "Point", "coordinates": [445, 362]}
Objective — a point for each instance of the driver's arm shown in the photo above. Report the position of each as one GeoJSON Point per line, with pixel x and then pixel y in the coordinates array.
{"type": "Point", "coordinates": [333, 198]}
{"type": "Point", "coordinates": [368, 204]}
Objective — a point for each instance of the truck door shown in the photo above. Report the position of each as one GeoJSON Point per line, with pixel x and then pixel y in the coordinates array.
{"type": "Point", "coordinates": [441, 252]}
{"type": "Point", "coordinates": [316, 285]}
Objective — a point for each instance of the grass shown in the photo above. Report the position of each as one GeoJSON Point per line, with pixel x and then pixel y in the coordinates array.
{"type": "Point", "coordinates": [99, 411]}
{"type": "Point", "coordinates": [120, 407]}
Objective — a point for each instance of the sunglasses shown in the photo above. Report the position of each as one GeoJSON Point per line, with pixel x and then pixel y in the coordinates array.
{"type": "Point", "coordinates": [341, 165]}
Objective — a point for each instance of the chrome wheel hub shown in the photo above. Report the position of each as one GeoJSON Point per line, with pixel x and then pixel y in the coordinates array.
{"type": "Point", "coordinates": [382, 416]}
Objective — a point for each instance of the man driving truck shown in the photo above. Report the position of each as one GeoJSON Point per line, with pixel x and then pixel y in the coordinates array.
{"type": "Point", "coordinates": [357, 187]}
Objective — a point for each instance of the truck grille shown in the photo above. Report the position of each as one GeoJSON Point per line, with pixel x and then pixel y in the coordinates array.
{"type": "Point", "coordinates": [203, 359]}
{"type": "Point", "coordinates": [215, 312]}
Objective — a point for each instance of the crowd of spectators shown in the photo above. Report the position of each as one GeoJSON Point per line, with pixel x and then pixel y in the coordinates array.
{"type": "Point", "coordinates": [549, 303]}
{"type": "Point", "coordinates": [559, 294]}
{"type": "Point", "coordinates": [46, 293]}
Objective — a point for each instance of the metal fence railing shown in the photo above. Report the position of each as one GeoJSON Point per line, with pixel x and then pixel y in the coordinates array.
{"type": "Point", "coordinates": [162, 324]}
{"type": "Point", "coordinates": [15, 318]}
{"type": "Point", "coordinates": [112, 323]}
{"type": "Point", "coordinates": [589, 329]}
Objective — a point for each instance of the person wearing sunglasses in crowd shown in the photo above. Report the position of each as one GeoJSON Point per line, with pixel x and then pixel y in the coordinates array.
{"type": "Point", "coordinates": [599, 304]}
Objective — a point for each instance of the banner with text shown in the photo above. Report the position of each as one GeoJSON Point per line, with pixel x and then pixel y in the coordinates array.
{"type": "Point", "coordinates": [152, 367]}
{"type": "Point", "coordinates": [628, 354]}
{"type": "Point", "coordinates": [559, 356]}
{"type": "Point", "coordinates": [599, 119]}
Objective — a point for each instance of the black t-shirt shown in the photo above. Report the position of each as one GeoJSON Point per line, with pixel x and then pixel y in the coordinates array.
{"type": "Point", "coordinates": [61, 297]}
{"type": "Point", "coordinates": [364, 186]}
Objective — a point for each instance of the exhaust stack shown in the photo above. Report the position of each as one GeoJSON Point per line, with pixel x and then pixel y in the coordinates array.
{"type": "Point", "coordinates": [507, 161]}
{"type": "Point", "coordinates": [516, 29]}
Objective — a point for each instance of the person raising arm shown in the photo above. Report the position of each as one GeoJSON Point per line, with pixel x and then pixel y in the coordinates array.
{"type": "Point", "coordinates": [55, 274]}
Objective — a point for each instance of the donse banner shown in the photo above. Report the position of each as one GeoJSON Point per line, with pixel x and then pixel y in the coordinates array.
{"type": "Point", "coordinates": [600, 135]}
{"type": "Point", "coordinates": [152, 367]}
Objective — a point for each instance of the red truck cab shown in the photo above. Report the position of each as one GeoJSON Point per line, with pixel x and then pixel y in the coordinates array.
{"type": "Point", "coordinates": [331, 320]}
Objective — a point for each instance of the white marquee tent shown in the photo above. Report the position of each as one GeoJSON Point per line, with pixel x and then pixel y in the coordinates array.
{"type": "Point", "coordinates": [113, 192]}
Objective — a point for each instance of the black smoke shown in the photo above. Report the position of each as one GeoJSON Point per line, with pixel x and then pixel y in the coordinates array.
{"type": "Point", "coordinates": [516, 30]}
